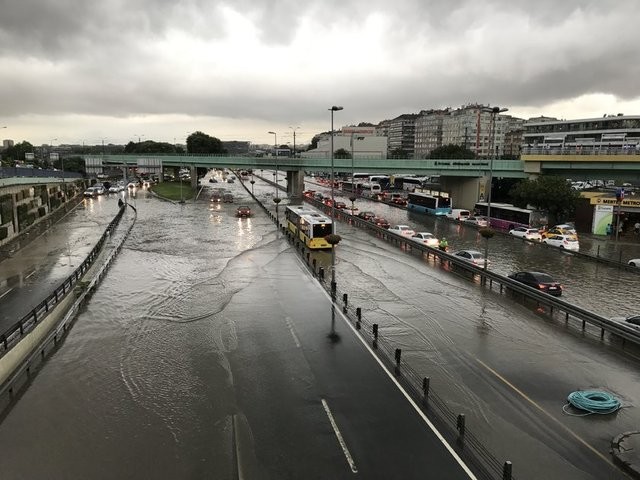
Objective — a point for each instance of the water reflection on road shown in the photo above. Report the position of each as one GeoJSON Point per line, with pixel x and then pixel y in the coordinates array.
{"type": "Point", "coordinates": [143, 382]}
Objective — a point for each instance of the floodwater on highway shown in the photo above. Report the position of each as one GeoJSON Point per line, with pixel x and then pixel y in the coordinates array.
{"type": "Point", "coordinates": [141, 386]}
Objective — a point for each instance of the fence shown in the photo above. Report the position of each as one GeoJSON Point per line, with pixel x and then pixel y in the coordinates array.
{"type": "Point", "coordinates": [26, 324]}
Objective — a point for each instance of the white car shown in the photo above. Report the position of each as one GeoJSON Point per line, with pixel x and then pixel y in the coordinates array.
{"type": "Point", "coordinates": [634, 262]}
{"type": "Point", "coordinates": [471, 256]}
{"type": "Point", "coordinates": [91, 192]}
{"type": "Point", "coordinates": [526, 233]}
{"type": "Point", "coordinates": [567, 242]}
{"type": "Point", "coordinates": [426, 238]}
{"type": "Point", "coordinates": [477, 221]}
{"type": "Point", "coordinates": [404, 230]}
{"type": "Point", "coordinates": [116, 188]}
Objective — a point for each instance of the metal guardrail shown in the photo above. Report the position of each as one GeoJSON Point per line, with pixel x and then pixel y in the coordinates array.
{"type": "Point", "coordinates": [489, 278]}
{"type": "Point", "coordinates": [26, 324]}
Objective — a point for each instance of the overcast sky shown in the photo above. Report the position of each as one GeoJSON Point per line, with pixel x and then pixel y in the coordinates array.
{"type": "Point", "coordinates": [74, 71]}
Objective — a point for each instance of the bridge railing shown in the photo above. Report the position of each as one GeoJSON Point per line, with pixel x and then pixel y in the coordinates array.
{"type": "Point", "coordinates": [9, 172]}
{"type": "Point", "coordinates": [12, 336]}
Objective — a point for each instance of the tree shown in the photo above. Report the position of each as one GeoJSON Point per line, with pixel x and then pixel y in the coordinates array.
{"type": "Point", "coordinates": [314, 141]}
{"type": "Point", "coordinates": [341, 153]}
{"type": "Point", "coordinates": [451, 151]}
{"type": "Point", "coordinates": [16, 153]}
{"type": "Point", "coordinates": [199, 142]}
{"type": "Point", "coordinates": [399, 153]}
{"type": "Point", "coordinates": [149, 146]}
{"type": "Point", "coordinates": [71, 164]}
{"type": "Point", "coordinates": [548, 193]}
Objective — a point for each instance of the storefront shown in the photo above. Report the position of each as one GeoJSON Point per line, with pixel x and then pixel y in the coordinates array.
{"type": "Point", "coordinates": [609, 215]}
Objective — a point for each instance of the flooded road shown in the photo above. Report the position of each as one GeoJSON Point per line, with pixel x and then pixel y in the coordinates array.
{"type": "Point", "coordinates": [144, 383]}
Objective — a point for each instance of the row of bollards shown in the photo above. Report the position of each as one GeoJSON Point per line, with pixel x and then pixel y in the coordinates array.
{"type": "Point", "coordinates": [375, 331]}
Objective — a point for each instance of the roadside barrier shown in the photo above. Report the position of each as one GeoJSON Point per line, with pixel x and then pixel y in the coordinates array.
{"type": "Point", "coordinates": [26, 324]}
{"type": "Point", "coordinates": [23, 373]}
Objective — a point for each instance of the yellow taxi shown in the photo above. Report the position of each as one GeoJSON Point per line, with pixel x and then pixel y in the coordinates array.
{"type": "Point", "coordinates": [564, 229]}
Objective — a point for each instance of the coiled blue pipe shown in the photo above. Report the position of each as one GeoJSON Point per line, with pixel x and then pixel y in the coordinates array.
{"type": "Point", "coordinates": [594, 401]}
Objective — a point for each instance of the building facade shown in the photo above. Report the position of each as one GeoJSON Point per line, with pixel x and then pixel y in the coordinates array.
{"type": "Point", "coordinates": [402, 135]}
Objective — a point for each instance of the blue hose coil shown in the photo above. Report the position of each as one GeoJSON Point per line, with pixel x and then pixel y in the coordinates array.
{"type": "Point", "coordinates": [594, 401]}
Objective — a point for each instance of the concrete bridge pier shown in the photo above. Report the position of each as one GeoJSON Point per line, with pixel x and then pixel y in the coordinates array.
{"type": "Point", "coordinates": [295, 184]}
{"type": "Point", "coordinates": [465, 191]}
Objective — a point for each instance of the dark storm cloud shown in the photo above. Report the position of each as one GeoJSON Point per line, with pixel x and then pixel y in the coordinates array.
{"type": "Point", "coordinates": [106, 58]}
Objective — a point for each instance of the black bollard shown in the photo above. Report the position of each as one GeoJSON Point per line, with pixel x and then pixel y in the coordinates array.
{"type": "Point", "coordinates": [375, 330]}
{"type": "Point", "coordinates": [398, 356]}
{"type": "Point", "coordinates": [461, 424]}
{"type": "Point", "coordinates": [345, 300]}
{"type": "Point", "coordinates": [506, 470]}
{"type": "Point", "coordinates": [425, 387]}
{"type": "Point", "coordinates": [321, 273]}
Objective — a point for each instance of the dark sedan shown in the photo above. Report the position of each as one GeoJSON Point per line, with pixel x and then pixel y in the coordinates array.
{"type": "Point", "coordinates": [540, 281]}
{"type": "Point", "coordinates": [366, 215]}
{"type": "Point", "coordinates": [380, 222]}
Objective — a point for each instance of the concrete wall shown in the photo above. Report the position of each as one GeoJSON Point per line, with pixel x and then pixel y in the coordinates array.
{"type": "Point", "coordinates": [23, 206]}
{"type": "Point", "coordinates": [464, 191]}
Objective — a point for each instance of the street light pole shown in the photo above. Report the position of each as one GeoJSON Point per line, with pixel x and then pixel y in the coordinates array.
{"type": "Point", "coordinates": [277, 198]}
{"type": "Point", "coordinates": [494, 112]}
{"type": "Point", "coordinates": [333, 205]}
{"type": "Point", "coordinates": [294, 140]}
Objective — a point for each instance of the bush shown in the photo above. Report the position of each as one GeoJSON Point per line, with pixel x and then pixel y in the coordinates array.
{"type": "Point", "coordinates": [4, 232]}
{"type": "Point", "coordinates": [42, 211]}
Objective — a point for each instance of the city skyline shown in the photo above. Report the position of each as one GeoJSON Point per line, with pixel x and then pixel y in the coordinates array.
{"type": "Point", "coordinates": [83, 73]}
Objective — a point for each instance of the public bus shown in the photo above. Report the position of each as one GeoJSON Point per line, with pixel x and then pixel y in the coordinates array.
{"type": "Point", "coordinates": [431, 204]}
{"type": "Point", "coordinates": [505, 216]}
{"type": "Point", "coordinates": [309, 225]}
{"type": "Point", "coordinates": [411, 183]}
{"type": "Point", "coordinates": [383, 180]}
{"type": "Point", "coordinates": [363, 177]}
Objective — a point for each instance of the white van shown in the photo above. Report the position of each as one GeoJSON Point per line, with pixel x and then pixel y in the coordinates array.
{"type": "Point", "coordinates": [459, 214]}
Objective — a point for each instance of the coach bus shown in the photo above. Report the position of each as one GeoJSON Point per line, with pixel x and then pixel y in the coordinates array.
{"type": "Point", "coordinates": [431, 204]}
{"type": "Point", "coordinates": [309, 225]}
{"type": "Point", "coordinates": [413, 183]}
{"type": "Point", "coordinates": [505, 216]}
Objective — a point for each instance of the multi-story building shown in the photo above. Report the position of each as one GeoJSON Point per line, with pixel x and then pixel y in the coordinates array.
{"type": "Point", "coordinates": [7, 144]}
{"type": "Point", "coordinates": [360, 142]}
{"type": "Point", "coordinates": [401, 135]}
{"type": "Point", "coordinates": [614, 134]}
{"type": "Point", "coordinates": [428, 131]}
{"type": "Point", "coordinates": [470, 126]}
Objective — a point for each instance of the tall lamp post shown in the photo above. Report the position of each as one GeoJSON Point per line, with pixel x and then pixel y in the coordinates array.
{"type": "Point", "coordinates": [276, 200]}
{"type": "Point", "coordinates": [494, 113]}
{"type": "Point", "coordinates": [333, 205]}
{"type": "Point", "coordinates": [294, 140]}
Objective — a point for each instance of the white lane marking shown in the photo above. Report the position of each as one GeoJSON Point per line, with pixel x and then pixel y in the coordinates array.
{"type": "Point", "coordinates": [406, 395]}
{"type": "Point", "coordinates": [293, 333]}
{"type": "Point", "coordinates": [402, 390]}
{"type": "Point", "coordinates": [5, 293]}
{"type": "Point", "coordinates": [336, 430]}
{"type": "Point", "coordinates": [32, 273]}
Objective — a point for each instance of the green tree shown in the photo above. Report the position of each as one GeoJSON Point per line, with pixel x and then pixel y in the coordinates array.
{"type": "Point", "coordinates": [314, 141]}
{"type": "Point", "coordinates": [199, 142]}
{"type": "Point", "coordinates": [399, 153]}
{"type": "Point", "coordinates": [71, 164]}
{"type": "Point", "coordinates": [451, 151]}
{"type": "Point", "coordinates": [149, 146]}
{"type": "Point", "coordinates": [16, 153]}
{"type": "Point", "coordinates": [548, 193]}
{"type": "Point", "coordinates": [341, 153]}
